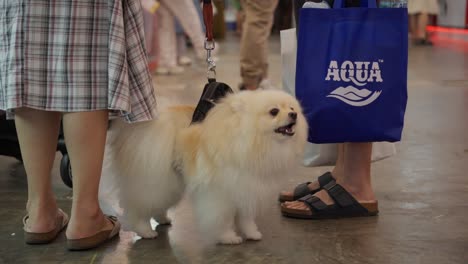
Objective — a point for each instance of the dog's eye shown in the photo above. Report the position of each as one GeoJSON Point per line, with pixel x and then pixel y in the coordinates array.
{"type": "Point", "coordinates": [292, 108]}
{"type": "Point", "coordinates": [274, 111]}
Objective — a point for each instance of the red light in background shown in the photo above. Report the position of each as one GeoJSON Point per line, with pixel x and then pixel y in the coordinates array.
{"type": "Point", "coordinates": [447, 30]}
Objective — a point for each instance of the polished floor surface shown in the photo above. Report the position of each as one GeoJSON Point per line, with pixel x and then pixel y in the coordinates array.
{"type": "Point", "coordinates": [422, 191]}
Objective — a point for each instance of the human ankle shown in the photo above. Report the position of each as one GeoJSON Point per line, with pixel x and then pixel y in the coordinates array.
{"type": "Point", "coordinates": [360, 191]}
{"type": "Point", "coordinates": [41, 216]}
{"type": "Point", "coordinates": [337, 173]}
{"type": "Point", "coordinates": [86, 210]}
{"type": "Point", "coordinates": [41, 204]}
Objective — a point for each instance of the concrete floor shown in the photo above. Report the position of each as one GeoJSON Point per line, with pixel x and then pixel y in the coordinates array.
{"type": "Point", "coordinates": [422, 191]}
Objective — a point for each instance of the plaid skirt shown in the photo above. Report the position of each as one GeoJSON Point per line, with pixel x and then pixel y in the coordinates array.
{"type": "Point", "coordinates": [75, 55]}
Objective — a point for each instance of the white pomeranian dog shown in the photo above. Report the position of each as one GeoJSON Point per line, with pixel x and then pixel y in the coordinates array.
{"type": "Point", "coordinates": [226, 164]}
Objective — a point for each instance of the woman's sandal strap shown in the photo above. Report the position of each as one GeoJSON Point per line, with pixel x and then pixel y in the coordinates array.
{"type": "Point", "coordinates": [302, 189]}
{"type": "Point", "coordinates": [325, 179]}
{"type": "Point", "coordinates": [345, 205]}
{"type": "Point", "coordinates": [343, 198]}
{"type": "Point", "coordinates": [313, 202]}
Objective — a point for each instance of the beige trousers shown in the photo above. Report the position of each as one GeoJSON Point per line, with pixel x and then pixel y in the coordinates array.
{"type": "Point", "coordinates": [254, 41]}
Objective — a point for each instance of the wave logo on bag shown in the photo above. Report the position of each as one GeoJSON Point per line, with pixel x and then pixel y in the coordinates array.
{"type": "Point", "coordinates": [359, 74]}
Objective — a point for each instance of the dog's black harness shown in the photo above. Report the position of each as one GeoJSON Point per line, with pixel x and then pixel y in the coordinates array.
{"type": "Point", "coordinates": [212, 93]}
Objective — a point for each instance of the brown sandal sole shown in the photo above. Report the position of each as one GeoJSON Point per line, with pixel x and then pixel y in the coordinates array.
{"type": "Point", "coordinates": [95, 240]}
{"type": "Point", "coordinates": [372, 210]}
{"type": "Point", "coordinates": [31, 238]}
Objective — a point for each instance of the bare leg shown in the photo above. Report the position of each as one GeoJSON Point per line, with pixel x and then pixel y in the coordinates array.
{"type": "Point", "coordinates": [38, 134]}
{"type": "Point", "coordinates": [85, 136]}
{"type": "Point", "coordinates": [413, 25]}
{"type": "Point", "coordinates": [338, 170]}
{"type": "Point", "coordinates": [357, 177]}
{"type": "Point", "coordinates": [423, 20]}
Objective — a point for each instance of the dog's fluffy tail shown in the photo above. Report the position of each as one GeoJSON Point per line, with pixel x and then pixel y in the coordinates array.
{"type": "Point", "coordinates": [138, 161]}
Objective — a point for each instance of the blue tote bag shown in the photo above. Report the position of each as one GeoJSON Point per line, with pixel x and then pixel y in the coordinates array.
{"type": "Point", "coordinates": [351, 72]}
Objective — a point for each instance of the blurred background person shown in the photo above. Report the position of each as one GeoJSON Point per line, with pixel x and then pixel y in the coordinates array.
{"type": "Point", "coordinates": [419, 11]}
{"type": "Point", "coordinates": [150, 17]}
{"type": "Point", "coordinates": [186, 14]}
{"type": "Point", "coordinates": [254, 43]}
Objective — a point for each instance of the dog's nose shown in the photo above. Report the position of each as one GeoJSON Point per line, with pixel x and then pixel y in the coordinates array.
{"type": "Point", "coordinates": [293, 115]}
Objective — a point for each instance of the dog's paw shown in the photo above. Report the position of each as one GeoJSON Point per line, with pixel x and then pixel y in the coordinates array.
{"type": "Point", "coordinates": [149, 234]}
{"type": "Point", "coordinates": [145, 231]}
{"type": "Point", "coordinates": [230, 239]}
{"type": "Point", "coordinates": [255, 235]}
{"type": "Point", "coordinates": [164, 221]}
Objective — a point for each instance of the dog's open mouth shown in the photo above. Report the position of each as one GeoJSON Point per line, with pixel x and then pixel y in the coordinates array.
{"type": "Point", "coordinates": [287, 130]}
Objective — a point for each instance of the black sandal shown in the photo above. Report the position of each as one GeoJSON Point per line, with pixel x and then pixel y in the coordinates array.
{"type": "Point", "coordinates": [302, 189]}
{"type": "Point", "coordinates": [345, 206]}
{"type": "Point", "coordinates": [423, 42]}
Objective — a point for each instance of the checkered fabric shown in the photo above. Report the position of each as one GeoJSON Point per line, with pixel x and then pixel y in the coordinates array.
{"type": "Point", "coordinates": [75, 55]}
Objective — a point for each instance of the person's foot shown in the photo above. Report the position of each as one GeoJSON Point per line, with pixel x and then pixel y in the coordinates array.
{"type": "Point", "coordinates": [312, 186]}
{"type": "Point", "coordinates": [423, 42]}
{"type": "Point", "coordinates": [42, 217]}
{"type": "Point", "coordinates": [307, 188]}
{"type": "Point", "coordinates": [44, 237]}
{"type": "Point", "coordinates": [86, 223]}
{"type": "Point", "coordinates": [427, 42]}
{"type": "Point", "coordinates": [99, 238]}
{"type": "Point", "coordinates": [362, 195]}
{"type": "Point", "coordinates": [184, 61]}
{"type": "Point", "coordinates": [174, 70]}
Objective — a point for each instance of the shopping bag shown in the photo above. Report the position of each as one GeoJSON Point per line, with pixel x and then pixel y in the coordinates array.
{"type": "Point", "coordinates": [351, 76]}
{"type": "Point", "coordinates": [317, 154]}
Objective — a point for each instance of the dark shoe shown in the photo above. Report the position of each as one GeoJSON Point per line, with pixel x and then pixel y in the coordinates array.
{"type": "Point", "coordinates": [345, 206]}
{"type": "Point", "coordinates": [302, 189]}
{"type": "Point", "coordinates": [423, 42]}
{"type": "Point", "coordinates": [427, 42]}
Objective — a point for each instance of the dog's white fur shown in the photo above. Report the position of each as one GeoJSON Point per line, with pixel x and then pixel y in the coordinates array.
{"type": "Point", "coordinates": [226, 163]}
